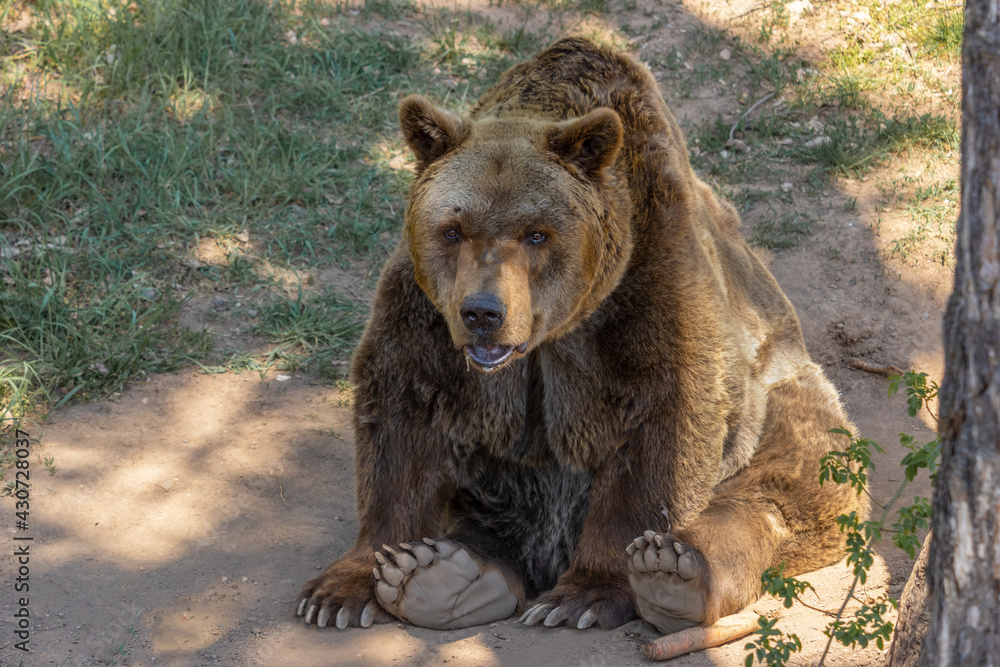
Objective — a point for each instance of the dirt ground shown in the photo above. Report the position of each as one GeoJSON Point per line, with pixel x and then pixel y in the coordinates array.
{"type": "Point", "coordinates": [184, 515]}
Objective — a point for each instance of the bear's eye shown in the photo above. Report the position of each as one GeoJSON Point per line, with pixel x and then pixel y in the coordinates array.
{"type": "Point", "coordinates": [451, 234]}
{"type": "Point", "coordinates": [535, 238]}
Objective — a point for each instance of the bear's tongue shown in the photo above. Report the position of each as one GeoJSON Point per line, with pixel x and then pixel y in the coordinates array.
{"type": "Point", "coordinates": [489, 356]}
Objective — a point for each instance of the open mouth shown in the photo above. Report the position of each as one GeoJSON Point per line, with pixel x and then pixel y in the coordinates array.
{"type": "Point", "coordinates": [489, 357]}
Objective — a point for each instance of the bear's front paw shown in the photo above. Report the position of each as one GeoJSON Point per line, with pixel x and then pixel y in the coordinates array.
{"type": "Point", "coordinates": [671, 581]}
{"type": "Point", "coordinates": [345, 593]}
{"type": "Point", "coordinates": [582, 599]}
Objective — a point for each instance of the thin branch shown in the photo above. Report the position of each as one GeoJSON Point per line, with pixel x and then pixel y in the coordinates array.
{"type": "Point", "coordinates": [747, 113]}
{"type": "Point", "coordinates": [872, 498]}
{"type": "Point", "coordinates": [749, 12]}
{"type": "Point", "coordinates": [850, 593]}
{"type": "Point", "coordinates": [827, 612]}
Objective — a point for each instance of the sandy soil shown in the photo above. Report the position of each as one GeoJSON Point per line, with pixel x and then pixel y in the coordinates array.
{"type": "Point", "coordinates": [184, 515]}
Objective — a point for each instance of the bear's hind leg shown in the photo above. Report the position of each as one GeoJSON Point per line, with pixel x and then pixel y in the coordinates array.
{"type": "Point", "coordinates": [709, 570]}
{"type": "Point", "coordinates": [774, 511]}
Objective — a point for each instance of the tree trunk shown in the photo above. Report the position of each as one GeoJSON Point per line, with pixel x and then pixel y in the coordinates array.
{"type": "Point", "coordinates": [964, 565]}
{"type": "Point", "coordinates": [913, 614]}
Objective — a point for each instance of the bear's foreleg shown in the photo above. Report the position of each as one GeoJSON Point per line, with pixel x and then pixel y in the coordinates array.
{"type": "Point", "coordinates": [399, 499]}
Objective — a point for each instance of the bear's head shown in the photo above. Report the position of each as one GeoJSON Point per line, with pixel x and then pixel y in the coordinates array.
{"type": "Point", "coordinates": [518, 227]}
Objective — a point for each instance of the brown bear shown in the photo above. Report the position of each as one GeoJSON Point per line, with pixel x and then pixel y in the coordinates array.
{"type": "Point", "coordinates": [578, 382]}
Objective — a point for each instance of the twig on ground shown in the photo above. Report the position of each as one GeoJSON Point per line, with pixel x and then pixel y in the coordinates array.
{"type": "Point", "coordinates": [878, 369]}
{"type": "Point", "coordinates": [281, 491]}
{"type": "Point", "coordinates": [750, 11]}
{"type": "Point", "coordinates": [724, 630]}
{"type": "Point", "coordinates": [747, 113]}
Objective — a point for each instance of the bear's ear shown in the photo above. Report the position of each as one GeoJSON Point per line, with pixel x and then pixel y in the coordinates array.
{"type": "Point", "coordinates": [590, 142]}
{"type": "Point", "coordinates": [429, 131]}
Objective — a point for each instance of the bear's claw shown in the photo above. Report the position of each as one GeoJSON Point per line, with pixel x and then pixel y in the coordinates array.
{"type": "Point", "coordinates": [342, 596]}
{"type": "Point", "coordinates": [587, 620]}
{"type": "Point", "coordinates": [554, 616]}
{"type": "Point", "coordinates": [535, 614]}
{"type": "Point", "coordinates": [368, 614]}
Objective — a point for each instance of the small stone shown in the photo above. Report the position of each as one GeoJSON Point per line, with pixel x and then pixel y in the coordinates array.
{"type": "Point", "coordinates": [797, 8]}
{"type": "Point", "coordinates": [167, 485]}
{"type": "Point", "coordinates": [725, 54]}
{"type": "Point", "coordinates": [786, 187]}
{"type": "Point", "coordinates": [283, 378]}
{"type": "Point", "coordinates": [225, 579]}
{"type": "Point", "coordinates": [840, 325]}
{"type": "Point", "coordinates": [723, 154]}
{"type": "Point", "coordinates": [243, 237]}
{"type": "Point", "coordinates": [219, 303]}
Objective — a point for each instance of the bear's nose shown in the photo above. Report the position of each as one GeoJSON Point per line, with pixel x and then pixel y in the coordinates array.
{"type": "Point", "coordinates": [482, 313]}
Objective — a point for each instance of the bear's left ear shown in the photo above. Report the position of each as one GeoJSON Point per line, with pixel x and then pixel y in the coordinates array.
{"type": "Point", "coordinates": [429, 131]}
{"type": "Point", "coordinates": [590, 142]}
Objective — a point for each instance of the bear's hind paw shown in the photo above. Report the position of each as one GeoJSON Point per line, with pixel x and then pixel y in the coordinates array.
{"type": "Point", "coordinates": [438, 584]}
{"type": "Point", "coordinates": [670, 580]}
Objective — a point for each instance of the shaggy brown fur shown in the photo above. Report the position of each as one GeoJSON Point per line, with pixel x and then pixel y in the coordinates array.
{"type": "Point", "coordinates": [643, 368]}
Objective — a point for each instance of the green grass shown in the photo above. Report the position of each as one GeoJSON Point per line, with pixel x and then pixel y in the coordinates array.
{"type": "Point", "coordinates": [311, 333]}
{"type": "Point", "coordinates": [943, 35]}
{"type": "Point", "coordinates": [858, 143]}
{"type": "Point", "coordinates": [87, 324]}
{"type": "Point", "coordinates": [166, 123]}
{"type": "Point", "coordinates": [781, 233]}
{"type": "Point", "coordinates": [931, 211]}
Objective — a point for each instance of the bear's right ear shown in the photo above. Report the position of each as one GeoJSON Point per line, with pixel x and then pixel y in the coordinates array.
{"type": "Point", "coordinates": [590, 142]}
{"type": "Point", "coordinates": [429, 131]}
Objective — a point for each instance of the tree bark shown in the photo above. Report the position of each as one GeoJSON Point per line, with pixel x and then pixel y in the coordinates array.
{"type": "Point", "coordinates": [964, 565]}
{"type": "Point", "coordinates": [913, 614]}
